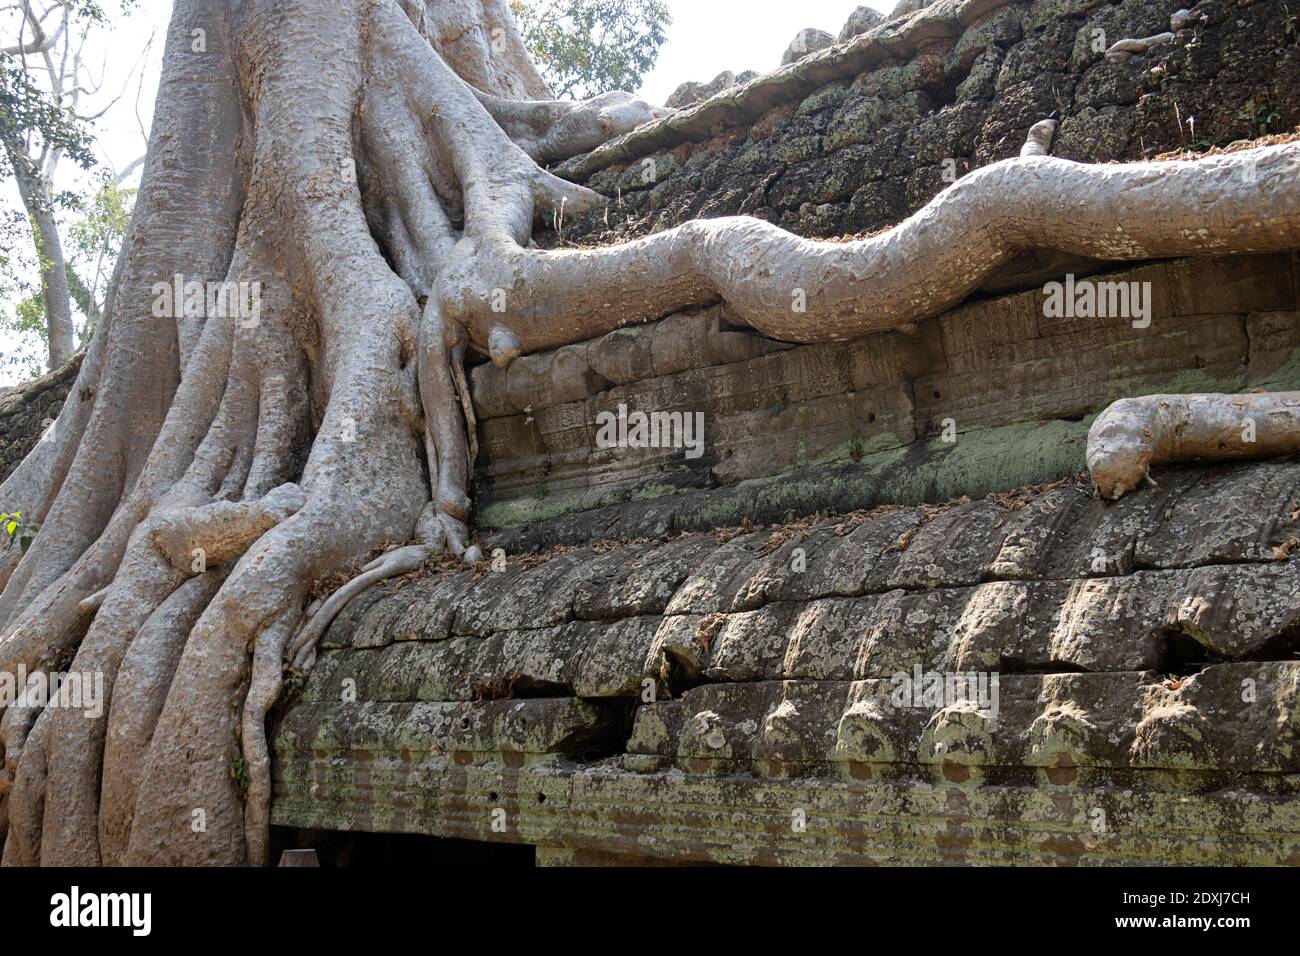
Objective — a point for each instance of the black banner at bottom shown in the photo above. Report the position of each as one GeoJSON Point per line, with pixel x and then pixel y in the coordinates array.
{"type": "Point", "coordinates": [338, 906]}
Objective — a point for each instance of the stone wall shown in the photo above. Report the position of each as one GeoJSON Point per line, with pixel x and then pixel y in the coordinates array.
{"type": "Point", "coordinates": [684, 660]}
{"type": "Point", "coordinates": [793, 430]}
{"type": "Point", "coordinates": [27, 410]}
{"type": "Point", "coordinates": [687, 699]}
{"type": "Point", "coordinates": [855, 138]}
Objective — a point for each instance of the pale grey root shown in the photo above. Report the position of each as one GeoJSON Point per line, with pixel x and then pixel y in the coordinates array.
{"type": "Point", "coordinates": [1135, 433]}
{"type": "Point", "coordinates": [373, 164]}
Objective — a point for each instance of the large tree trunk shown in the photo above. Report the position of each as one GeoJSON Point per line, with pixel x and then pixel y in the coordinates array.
{"type": "Point", "coordinates": [369, 164]}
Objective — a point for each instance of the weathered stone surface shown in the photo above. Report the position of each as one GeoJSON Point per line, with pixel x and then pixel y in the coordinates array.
{"type": "Point", "coordinates": [638, 581]}
{"type": "Point", "coordinates": [988, 396]}
{"type": "Point", "coordinates": [860, 20]}
{"type": "Point", "coordinates": [806, 41]}
{"type": "Point", "coordinates": [1141, 653]}
{"type": "Point", "coordinates": [27, 411]}
{"type": "Point", "coordinates": [688, 94]}
{"type": "Point", "coordinates": [509, 726]}
{"type": "Point", "coordinates": [712, 587]}
{"type": "Point", "coordinates": [1199, 569]}
{"type": "Point", "coordinates": [616, 814]}
{"type": "Point", "coordinates": [863, 783]}
{"type": "Point", "coordinates": [957, 81]}
{"type": "Point", "coordinates": [638, 683]}
{"type": "Point", "coordinates": [617, 661]}
{"type": "Point", "coordinates": [834, 559]}
{"type": "Point", "coordinates": [1119, 721]}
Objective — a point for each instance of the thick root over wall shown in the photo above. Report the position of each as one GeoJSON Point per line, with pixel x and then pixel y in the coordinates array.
{"type": "Point", "coordinates": [371, 165]}
{"type": "Point", "coordinates": [1135, 433]}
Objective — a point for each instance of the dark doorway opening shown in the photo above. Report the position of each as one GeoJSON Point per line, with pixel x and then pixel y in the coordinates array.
{"type": "Point", "coordinates": [380, 850]}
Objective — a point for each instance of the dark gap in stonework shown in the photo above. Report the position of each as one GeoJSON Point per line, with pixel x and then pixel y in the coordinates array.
{"type": "Point", "coordinates": [613, 734]}
{"type": "Point", "coordinates": [337, 850]}
{"type": "Point", "coordinates": [1178, 653]}
{"type": "Point", "coordinates": [1283, 646]}
{"type": "Point", "coordinates": [678, 676]}
{"type": "Point", "coordinates": [1018, 665]}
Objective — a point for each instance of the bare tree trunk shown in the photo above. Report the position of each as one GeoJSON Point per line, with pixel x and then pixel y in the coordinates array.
{"type": "Point", "coordinates": [49, 248]}
{"type": "Point", "coordinates": [366, 168]}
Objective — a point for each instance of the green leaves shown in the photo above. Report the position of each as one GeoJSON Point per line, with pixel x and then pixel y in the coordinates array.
{"type": "Point", "coordinates": [28, 112]}
{"type": "Point", "coordinates": [103, 226]}
{"type": "Point", "coordinates": [94, 237]}
{"type": "Point", "coordinates": [18, 533]}
{"type": "Point", "coordinates": [588, 47]}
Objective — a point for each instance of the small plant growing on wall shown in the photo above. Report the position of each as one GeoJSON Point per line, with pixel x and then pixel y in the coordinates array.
{"type": "Point", "coordinates": [17, 531]}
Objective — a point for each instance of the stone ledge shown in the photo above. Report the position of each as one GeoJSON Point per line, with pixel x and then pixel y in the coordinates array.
{"type": "Point", "coordinates": [793, 430]}
{"type": "Point", "coordinates": [680, 700]}
{"type": "Point", "coordinates": [670, 816]}
{"type": "Point", "coordinates": [894, 40]}
{"type": "Point", "coordinates": [1208, 554]}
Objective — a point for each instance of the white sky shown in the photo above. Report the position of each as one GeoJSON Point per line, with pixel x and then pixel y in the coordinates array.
{"type": "Point", "coordinates": [706, 37]}
{"type": "Point", "coordinates": [709, 36]}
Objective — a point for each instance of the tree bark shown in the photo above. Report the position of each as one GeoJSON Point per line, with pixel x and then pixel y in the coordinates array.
{"type": "Point", "coordinates": [35, 195]}
{"type": "Point", "coordinates": [370, 166]}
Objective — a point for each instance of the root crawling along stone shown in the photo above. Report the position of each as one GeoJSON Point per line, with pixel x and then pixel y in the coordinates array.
{"type": "Point", "coordinates": [554, 130]}
{"type": "Point", "coordinates": [801, 290]}
{"type": "Point", "coordinates": [1135, 433]}
{"type": "Point", "coordinates": [1128, 48]}
{"type": "Point", "coordinates": [393, 166]}
{"type": "Point", "coordinates": [1039, 141]}
{"type": "Point", "coordinates": [393, 564]}
{"type": "Point", "coordinates": [264, 689]}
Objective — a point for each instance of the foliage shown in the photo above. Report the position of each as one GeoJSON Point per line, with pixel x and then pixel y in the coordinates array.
{"type": "Point", "coordinates": [93, 238]}
{"type": "Point", "coordinates": [34, 117]}
{"type": "Point", "coordinates": [22, 309]}
{"type": "Point", "coordinates": [39, 125]}
{"type": "Point", "coordinates": [238, 770]}
{"type": "Point", "coordinates": [17, 531]}
{"type": "Point", "coordinates": [103, 226]}
{"type": "Point", "coordinates": [588, 47]}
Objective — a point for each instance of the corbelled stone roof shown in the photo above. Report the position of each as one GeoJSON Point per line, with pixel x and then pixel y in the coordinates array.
{"type": "Point", "coordinates": [1147, 644]}
{"type": "Point", "coordinates": [713, 660]}
{"type": "Point", "coordinates": [856, 137]}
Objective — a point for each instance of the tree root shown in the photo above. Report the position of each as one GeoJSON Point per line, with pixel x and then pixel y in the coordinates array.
{"type": "Point", "coordinates": [27, 798]}
{"type": "Point", "coordinates": [264, 689]}
{"type": "Point", "coordinates": [139, 694]}
{"type": "Point", "coordinates": [1039, 140]}
{"type": "Point", "coordinates": [1135, 433]}
{"type": "Point", "coordinates": [302, 651]}
{"type": "Point", "coordinates": [221, 531]}
{"type": "Point", "coordinates": [1126, 49]}
{"type": "Point", "coordinates": [551, 131]}
{"type": "Point", "coordinates": [801, 290]}
{"type": "Point", "coordinates": [446, 434]}
{"type": "Point", "coordinates": [290, 450]}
